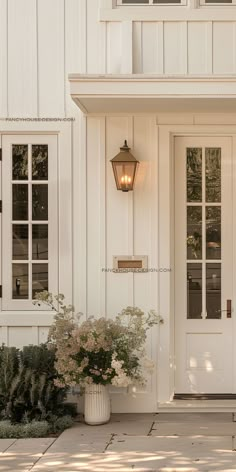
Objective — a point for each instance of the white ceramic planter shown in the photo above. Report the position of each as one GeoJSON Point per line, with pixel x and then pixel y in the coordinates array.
{"type": "Point", "coordinates": [97, 408]}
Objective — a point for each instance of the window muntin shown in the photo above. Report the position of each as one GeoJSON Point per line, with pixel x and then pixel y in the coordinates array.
{"type": "Point", "coordinates": [30, 204]}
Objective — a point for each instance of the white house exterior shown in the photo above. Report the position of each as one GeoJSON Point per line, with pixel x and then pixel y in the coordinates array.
{"type": "Point", "coordinates": [77, 78]}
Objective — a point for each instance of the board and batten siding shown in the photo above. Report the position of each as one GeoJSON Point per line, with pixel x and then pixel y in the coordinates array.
{"type": "Point", "coordinates": [41, 42]}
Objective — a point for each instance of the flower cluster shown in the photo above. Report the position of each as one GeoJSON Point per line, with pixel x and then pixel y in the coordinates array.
{"type": "Point", "coordinates": [98, 350]}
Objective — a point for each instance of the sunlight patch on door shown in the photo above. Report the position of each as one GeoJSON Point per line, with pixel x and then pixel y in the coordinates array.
{"type": "Point", "coordinates": [203, 351]}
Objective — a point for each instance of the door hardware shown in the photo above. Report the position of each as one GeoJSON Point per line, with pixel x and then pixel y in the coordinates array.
{"type": "Point", "coordinates": [228, 310]}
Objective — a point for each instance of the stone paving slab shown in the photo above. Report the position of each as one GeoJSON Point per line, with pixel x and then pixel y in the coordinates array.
{"type": "Point", "coordinates": [5, 444]}
{"type": "Point", "coordinates": [193, 429]}
{"type": "Point", "coordinates": [117, 425]}
{"type": "Point", "coordinates": [178, 457]}
{"type": "Point", "coordinates": [186, 445]}
{"type": "Point", "coordinates": [72, 441]}
{"type": "Point", "coordinates": [137, 417]}
{"type": "Point", "coordinates": [23, 454]}
{"type": "Point", "coordinates": [126, 444]}
{"type": "Point", "coordinates": [146, 454]}
{"type": "Point", "coordinates": [193, 417]}
{"type": "Point", "coordinates": [205, 453]}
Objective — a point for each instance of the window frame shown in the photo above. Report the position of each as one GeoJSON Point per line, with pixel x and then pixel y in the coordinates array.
{"type": "Point", "coordinates": [151, 3]}
{"type": "Point", "coordinates": [203, 3]}
{"type": "Point", "coordinates": [8, 303]}
{"type": "Point", "coordinates": [109, 11]}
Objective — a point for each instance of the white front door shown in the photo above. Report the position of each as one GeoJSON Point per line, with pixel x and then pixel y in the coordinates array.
{"type": "Point", "coordinates": [203, 265]}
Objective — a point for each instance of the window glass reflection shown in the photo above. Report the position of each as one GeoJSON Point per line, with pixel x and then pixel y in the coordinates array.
{"type": "Point", "coordinates": [213, 290]}
{"type": "Point", "coordinates": [20, 281]}
{"type": "Point", "coordinates": [194, 290]}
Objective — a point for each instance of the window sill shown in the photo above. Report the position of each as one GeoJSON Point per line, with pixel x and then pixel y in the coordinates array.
{"type": "Point", "coordinates": [160, 13]}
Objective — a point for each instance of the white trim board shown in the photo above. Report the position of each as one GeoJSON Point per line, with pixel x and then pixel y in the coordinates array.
{"type": "Point", "coordinates": [62, 129]}
{"type": "Point", "coordinates": [171, 13]}
{"type": "Point", "coordinates": [142, 94]}
{"type": "Point", "coordinates": [197, 406]}
{"type": "Point", "coordinates": [166, 359]}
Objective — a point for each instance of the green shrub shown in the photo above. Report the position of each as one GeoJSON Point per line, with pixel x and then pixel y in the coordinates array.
{"type": "Point", "coordinates": [34, 429]}
{"type": "Point", "coordinates": [27, 389]}
{"type": "Point", "coordinates": [8, 430]}
{"type": "Point", "coordinates": [62, 423]}
{"type": "Point", "coordinates": [9, 369]}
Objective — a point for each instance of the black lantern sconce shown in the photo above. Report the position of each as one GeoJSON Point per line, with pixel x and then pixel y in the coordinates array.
{"type": "Point", "coordinates": [124, 167]}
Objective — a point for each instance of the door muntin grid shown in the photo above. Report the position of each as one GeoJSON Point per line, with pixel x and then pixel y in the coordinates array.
{"type": "Point", "coordinates": [203, 239]}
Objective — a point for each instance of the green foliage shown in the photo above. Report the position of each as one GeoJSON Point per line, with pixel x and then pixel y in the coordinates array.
{"type": "Point", "coordinates": [34, 429]}
{"type": "Point", "coordinates": [27, 388]}
{"type": "Point", "coordinates": [62, 423]}
{"type": "Point", "coordinates": [8, 430]}
{"type": "Point", "coordinates": [9, 369]}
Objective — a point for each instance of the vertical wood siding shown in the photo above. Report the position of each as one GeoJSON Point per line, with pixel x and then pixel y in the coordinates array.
{"type": "Point", "coordinates": [22, 58]}
{"type": "Point", "coordinates": [43, 41]}
{"type": "Point", "coordinates": [3, 59]}
{"type": "Point", "coordinates": [51, 57]}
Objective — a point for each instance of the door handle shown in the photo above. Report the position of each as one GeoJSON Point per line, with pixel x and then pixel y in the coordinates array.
{"type": "Point", "coordinates": [228, 310]}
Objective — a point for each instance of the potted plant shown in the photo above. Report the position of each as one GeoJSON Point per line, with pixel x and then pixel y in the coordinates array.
{"type": "Point", "coordinates": [98, 352]}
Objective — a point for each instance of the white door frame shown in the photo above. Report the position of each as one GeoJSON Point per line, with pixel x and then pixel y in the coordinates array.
{"type": "Point", "coordinates": [166, 350]}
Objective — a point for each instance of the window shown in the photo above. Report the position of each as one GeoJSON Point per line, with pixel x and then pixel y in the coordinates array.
{"type": "Point", "coordinates": [217, 2]}
{"type": "Point", "coordinates": [174, 2]}
{"type": "Point", "coordinates": [151, 2]}
{"type": "Point", "coordinates": [29, 219]}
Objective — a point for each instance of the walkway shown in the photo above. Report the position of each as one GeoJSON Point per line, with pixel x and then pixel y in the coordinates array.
{"type": "Point", "coordinates": [166, 442]}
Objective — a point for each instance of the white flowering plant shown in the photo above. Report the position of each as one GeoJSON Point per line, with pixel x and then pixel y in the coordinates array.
{"type": "Point", "coordinates": [99, 350]}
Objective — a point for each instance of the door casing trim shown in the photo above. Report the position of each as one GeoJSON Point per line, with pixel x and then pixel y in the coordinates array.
{"type": "Point", "coordinates": [166, 348]}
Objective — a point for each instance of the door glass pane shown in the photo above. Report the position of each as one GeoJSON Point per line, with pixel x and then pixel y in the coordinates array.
{"type": "Point", "coordinates": [213, 174]}
{"type": "Point", "coordinates": [20, 202]}
{"type": "Point", "coordinates": [166, 1]}
{"type": "Point", "coordinates": [20, 242]}
{"type": "Point", "coordinates": [194, 174]}
{"type": "Point", "coordinates": [213, 290]}
{"type": "Point", "coordinates": [39, 242]}
{"type": "Point", "coordinates": [40, 162]}
{"type": "Point", "coordinates": [39, 278]}
{"type": "Point", "coordinates": [20, 281]}
{"type": "Point", "coordinates": [19, 161]}
{"type": "Point", "coordinates": [129, 2]}
{"type": "Point", "coordinates": [39, 202]}
{"type": "Point", "coordinates": [194, 232]}
{"type": "Point", "coordinates": [213, 232]}
{"type": "Point", "coordinates": [194, 290]}
{"type": "Point", "coordinates": [218, 1]}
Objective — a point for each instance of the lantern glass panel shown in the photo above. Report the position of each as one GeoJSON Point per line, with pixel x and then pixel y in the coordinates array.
{"type": "Point", "coordinates": [124, 174]}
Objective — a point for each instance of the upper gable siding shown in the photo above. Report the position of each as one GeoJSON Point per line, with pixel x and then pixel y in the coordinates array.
{"type": "Point", "coordinates": [42, 42]}
{"type": "Point", "coordinates": [3, 59]}
{"type": "Point", "coordinates": [22, 58]}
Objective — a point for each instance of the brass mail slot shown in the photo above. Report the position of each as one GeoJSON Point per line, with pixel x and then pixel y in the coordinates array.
{"type": "Point", "coordinates": [130, 264]}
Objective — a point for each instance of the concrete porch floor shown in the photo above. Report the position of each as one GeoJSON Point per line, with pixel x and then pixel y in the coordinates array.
{"type": "Point", "coordinates": [164, 442]}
